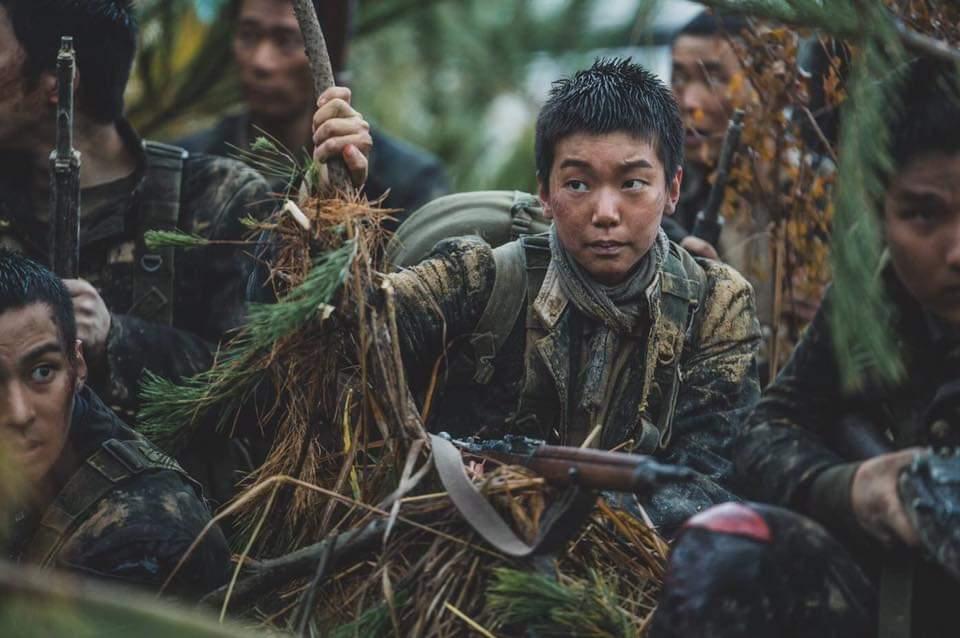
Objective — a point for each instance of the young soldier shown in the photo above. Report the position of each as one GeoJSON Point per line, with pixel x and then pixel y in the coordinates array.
{"type": "Point", "coordinates": [760, 570]}
{"type": "Point", "coordinates": [603, 332]}
{"type": "Point", "coordinates": [278, 93]}
{"type": "Point", "coordinates": [96, 498]}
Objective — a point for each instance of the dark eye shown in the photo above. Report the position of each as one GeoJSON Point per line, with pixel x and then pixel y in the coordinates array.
{"type": "Point", "coordinates": [247, 37]}
{"type": "Point", "coordinates": [634, 184]}
{"type": "Point", "coordinates": [42, 374]}
{"type": "Point", "coordinates": [577, 186]}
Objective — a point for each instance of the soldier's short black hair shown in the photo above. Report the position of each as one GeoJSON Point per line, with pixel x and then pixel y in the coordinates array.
{"type": "Point", "coordinates": [615, 94]}
{"type": "Point", "coordinates": [709, 23]}
{"type": "Point", "coordinates": [104, 35]}
{"type": "Point", "coordinates": [24, 282]}
{"type": "Point", "coordinates": [926, 121]}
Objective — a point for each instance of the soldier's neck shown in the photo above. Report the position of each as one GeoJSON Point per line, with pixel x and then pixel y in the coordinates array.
{"type": "Point", "coordinates": [293, 133]}
{"type": "Point", "coordinates": [103, 155]}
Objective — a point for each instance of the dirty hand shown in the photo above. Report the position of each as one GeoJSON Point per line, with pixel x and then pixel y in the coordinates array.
{"type": "Point", "coordinates": [93, 318]}
{"type": "Point", "coordinates": [339, 129]}
{"type": "Point", "coordinates": [698, 247]}
{"type": "Point", "coordinates": [876, 500]}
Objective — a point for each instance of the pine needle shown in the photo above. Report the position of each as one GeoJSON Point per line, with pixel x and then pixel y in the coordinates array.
{"type": "Point", "coordinates": [173, 239]}
{"type": "Point", "coordinates": [549, 608]}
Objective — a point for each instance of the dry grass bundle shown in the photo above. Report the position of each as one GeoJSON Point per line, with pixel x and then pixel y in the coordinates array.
{"type": "Point", "coordinates": [349, 470]}
{"type": "Point", "coordinates": [433, 576]}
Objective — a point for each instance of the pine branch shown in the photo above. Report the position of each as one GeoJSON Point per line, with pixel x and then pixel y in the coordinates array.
{"type": "Point", "coordinates": [544, 605]}
{"type": "Point", "coordinates": [170, 411]}
{"type": "Point", "coordinates": [173, 239]}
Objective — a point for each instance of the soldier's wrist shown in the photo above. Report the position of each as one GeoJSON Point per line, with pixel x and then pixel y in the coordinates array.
{"type": "Point", "coordinates": [829, 499]}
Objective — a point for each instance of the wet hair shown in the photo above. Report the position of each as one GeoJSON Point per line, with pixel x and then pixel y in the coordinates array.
{"type": "Point", "coordinates": [709, 23]}
{"type": "Point", "coordinates": [613, 95]}
{"type": "Point", "coordinates": [24, 282]}
{"type": "Point", "coordinates": [104, 35]}
{"type": "Point", "coordinates": [926, 121]}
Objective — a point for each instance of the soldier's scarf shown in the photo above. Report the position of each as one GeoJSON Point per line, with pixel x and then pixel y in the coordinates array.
{"type": "Point", "coordinates": [616, 308]}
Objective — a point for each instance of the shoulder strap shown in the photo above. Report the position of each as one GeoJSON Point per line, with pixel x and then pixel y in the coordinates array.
{"type": "Point", "coordinates": [113, 463]}
{"type": "Point", "coordinates": [153, 283]}
{"type": "Point", "coordinates": [502, 309]}
{"type": "Point", "coordinates": [682, 286]}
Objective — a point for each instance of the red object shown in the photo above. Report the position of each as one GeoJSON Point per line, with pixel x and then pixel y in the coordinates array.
{"type": "Point", "coordinates": [732, 518]}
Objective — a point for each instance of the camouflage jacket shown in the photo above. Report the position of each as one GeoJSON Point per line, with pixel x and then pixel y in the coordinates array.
{"type": "Point", "coordinates": [440, 301]}
{"type": "Point", "coordinates": [789, 452]}
{"type": "Point", "coordinates": [207, 285]}
{"type": "Point", "coordinates": [134, 532]}
{"type": "Point", "coordinates": [409, 176]}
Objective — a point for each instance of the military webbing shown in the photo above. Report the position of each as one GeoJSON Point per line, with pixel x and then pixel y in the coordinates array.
{"type": "Point", "coordinates": [681, 297]}
{"type": "Point", "coordinates": [113, 463]}
{"type": "Point", "coordinates": [153, 283]}
{"type": "Point", "coordinates": [501, 312]}
{"type": "Point", "coordinates": [896, 597]}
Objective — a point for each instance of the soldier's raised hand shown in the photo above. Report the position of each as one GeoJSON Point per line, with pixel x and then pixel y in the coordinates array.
{"type": "Point", "coordinates": [876, 499]}
{"type": "Point", "coordinates": [339, 129]}
{"type": "Point", "coordinates": [93, 318]}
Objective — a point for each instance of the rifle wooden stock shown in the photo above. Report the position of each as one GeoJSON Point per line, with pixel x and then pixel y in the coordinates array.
{"type": "Point", "coordinates": [592, 469]}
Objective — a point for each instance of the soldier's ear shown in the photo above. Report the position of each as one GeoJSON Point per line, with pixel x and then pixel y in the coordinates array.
{"type": "Point", "coordinates": [544, 194]}
{"type": "Point", "coordinates": [79, 366]}
{"type": "Point", "coordinates": [48, 84]}
{"type": "Point", "coordinates": [673, 191]}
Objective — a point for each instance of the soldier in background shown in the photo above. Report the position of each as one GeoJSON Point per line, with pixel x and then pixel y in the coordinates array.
{"type": "Point", "coordinates": [762, 570]}
{"type": "Point", "coordinates": [95, 498]}
{"type": "Point", "coordinates": [137, 309]}
{"type": "Point", "coordinates": [278, 92]}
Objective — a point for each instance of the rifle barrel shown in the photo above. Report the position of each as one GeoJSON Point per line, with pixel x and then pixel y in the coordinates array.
{"type": "Point", "coordinates": [65, 173]}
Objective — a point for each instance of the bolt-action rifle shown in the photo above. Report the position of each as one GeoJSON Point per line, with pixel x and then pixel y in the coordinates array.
{"type": "Point", "coordinates": [65, 173]}
{"type": "Point", "coordinates": [709, 222]}
{"type": "Point", "coordinates": [587, 468]}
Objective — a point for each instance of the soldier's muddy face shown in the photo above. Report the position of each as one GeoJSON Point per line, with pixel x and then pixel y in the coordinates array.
{"type": "Point", "coordinates": [606, 196]}
{"type": "Point", "coordinates": [274, 70]}
{"type": "Point", "coordinates": [23, 103]}
{"type": "Point", "coordinates": [922, 230]}
{"type": "Point", "coordinates": [37, 386]}
{"type": "Point", "coordinates": [703, 70]}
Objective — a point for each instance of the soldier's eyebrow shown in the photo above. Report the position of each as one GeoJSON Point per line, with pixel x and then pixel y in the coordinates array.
{"type": "Point", "coordinates": [631, 164]}
{"type": "Point", "coordinates": [573, 162]}
{"type": "Point", "coordinates": [48, 347]}
{"type": "Point", "coordinates": [930, 198]}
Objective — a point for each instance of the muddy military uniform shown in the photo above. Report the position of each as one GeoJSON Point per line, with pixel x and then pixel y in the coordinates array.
{"type": "Point", "coordinates": [678, 386]}
{"type": "Point", "coordinates": [793, 454]}
{"type": "Point", "coordinates": [121, 511]}
{"type": "Point", "coordinates": [409, 176]}
{"type": "Point", "coordinates": [169, 309]}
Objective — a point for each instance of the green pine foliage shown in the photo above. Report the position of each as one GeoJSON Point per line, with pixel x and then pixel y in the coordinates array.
{"type": "Point", "coordinates": [173, 239]}
{"type": "Point", "coordinates": [548, 608]}
{"type": "Point", "coordinates": [860, 314]}
{"type": "Point", "coordinates": [171, 411]}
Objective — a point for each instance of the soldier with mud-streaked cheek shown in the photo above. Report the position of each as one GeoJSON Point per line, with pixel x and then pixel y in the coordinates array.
{"type": "Point", "coordinates": [612, 336]}
{"type": "Point", "coordinates": [843, 539]}
{"type": "Point", "coordinates": [92, 495]}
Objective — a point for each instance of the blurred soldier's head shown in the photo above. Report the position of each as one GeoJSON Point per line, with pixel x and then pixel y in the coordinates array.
{"type": "Point", "coordinates": [704, 64]}
{"type": "Point", "coordinates": [268, 47]}
{"type": "Point", "coordinates": [921, 208]}
{"type": "Point", "coordinates": [104, 33]}
{"type": "Point", "coordinates": [41, 365]}
{"type": "Point", "coordinates": [609, 150]}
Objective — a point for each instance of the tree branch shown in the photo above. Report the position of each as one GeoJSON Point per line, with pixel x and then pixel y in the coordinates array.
{"type": "Point", "coordinates": [269, 575]}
